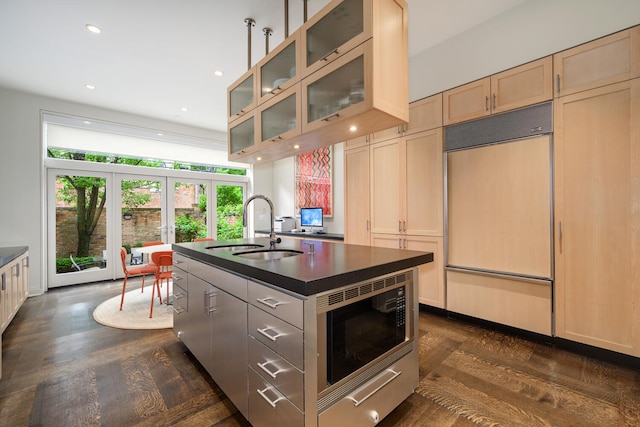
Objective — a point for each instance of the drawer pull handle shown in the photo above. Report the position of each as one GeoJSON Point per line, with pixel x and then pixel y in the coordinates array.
{"type": "Point", "coordinates": [271, 337]}
{"type": "Point", "coordinates": [178, 310]}
{"type": "Point", "coordinates": [393, 376]}
{"type": "Point", "coordinates": [324, 58]}
{"type": "Point", "coordinates": [271, 374]}
{"type": "Point", "coordinates": [176, 278]}
{"type": "Point", "coordinates": [266, 301]}
{"type": "Point", "coordinates": [178, 295]}
{"type": "Point", "coordinates": [269, 401]}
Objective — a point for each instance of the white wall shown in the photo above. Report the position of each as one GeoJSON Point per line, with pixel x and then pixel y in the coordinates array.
{"type": "Point", "coordinates": [527, 32]}
{"type": "Point", "coordinates": [276, 181]}
{"type": "Point", "coordinates": [22, 183]}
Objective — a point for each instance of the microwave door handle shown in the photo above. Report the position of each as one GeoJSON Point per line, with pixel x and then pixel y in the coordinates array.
{"type": "Point", "coordinates": [393, 376]}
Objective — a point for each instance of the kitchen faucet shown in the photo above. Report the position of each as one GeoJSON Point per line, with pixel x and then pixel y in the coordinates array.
{"type": "Point", "coordinates": [272, 236]}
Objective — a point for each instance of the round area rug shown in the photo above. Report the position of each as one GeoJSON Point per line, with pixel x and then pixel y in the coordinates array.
{"type": "Point", "coordinates": [135, 311]}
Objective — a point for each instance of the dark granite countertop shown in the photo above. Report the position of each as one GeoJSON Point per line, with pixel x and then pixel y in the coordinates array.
{"type": "Point", "coordinates": [8, 254]}
{"type": "Point", "coordinates": [333, 265]}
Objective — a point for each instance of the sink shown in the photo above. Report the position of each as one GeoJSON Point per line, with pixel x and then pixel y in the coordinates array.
{"type": "Point", "coordinates": [268, 254]}
{"type": "Point", "coordinates": [235, 247]}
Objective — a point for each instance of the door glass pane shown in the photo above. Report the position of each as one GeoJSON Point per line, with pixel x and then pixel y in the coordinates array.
{"type": "Point", "coordinates": [278, 70]}
{"type": "Point", "coordinates": [229, 200]}
{"type": "Point", "coordinates": [81, 226]}
{"type": "Point", "coordinates": [280, 118]}
{"type": "Point", "coordinates": [190, 211]}
{"type": "Point", "coordinates": [141, 218]}
{"type": "Point", "coordinates": [241, 96]}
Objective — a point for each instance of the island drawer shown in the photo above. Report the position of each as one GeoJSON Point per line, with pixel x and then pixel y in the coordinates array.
{"type": "Point", "coordinates": [235, 285]}
{"type": "Point", "coordinates": [180, 261]}
{"type": "Point", "coordinates": [281, 305]}
{"type": "Point", "coordinates": [180, 299]}
{"type": "Point", "coordinates": [278, 335]}
{"type": "Point", "coordinates": [268, 407]}
{"type": "Point", "coordinates": [288, 379]}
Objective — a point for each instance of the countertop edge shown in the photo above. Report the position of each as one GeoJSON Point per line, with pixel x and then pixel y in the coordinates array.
{"type": "Point", "coordinates": [9, 253]}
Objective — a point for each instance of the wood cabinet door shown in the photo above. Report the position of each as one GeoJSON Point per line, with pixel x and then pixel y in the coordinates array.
{"type": "Point", "coordinates": [518, 87]}
{"type": "Point", "coordinates": [470, 101]}
{"type": "Point", "coordinates": [430, 276]}
{"type": "Point", "coordinates": [423, 183]}
{"type": "Point", "coordinates": [356, 196]}
{"type": "Point", "coordinates": [424, 114]}
{"type": "Point", "coordinates": [385, 187]}
{"type": "Point", "coordinates": [360, 141]}
{"type": "Point", "coordinates": [601, 62]}
{"type": "Point", "coordinates": [597, 220]}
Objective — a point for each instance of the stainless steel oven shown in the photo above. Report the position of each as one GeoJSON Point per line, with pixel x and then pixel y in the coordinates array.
{"type": "Point", "coordinates": [367, 350]}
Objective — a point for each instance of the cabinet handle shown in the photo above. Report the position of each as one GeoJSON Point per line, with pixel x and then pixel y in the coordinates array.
{"type": "Point", "coordinates": [400, 226]}
{"type": "Point", "coordinates": [271, 374]}
{"type": "Point", "coordinates": [394, 375]}
{"type": "Point", "coordinates": [176, 277]}
{"type": "Point", "coordinates": [329, 117]}
{"type": "Point", "coordinates": [178, 310]}
{"type": "Point", "coordinates": [367, 225]}
{"type": "Point", "coordinates": [493, 102]}
{"type": "Point", "coordinates": [486, 103]}
{"type": "Point", "coordinates": [17, 269]}
{"type": "Point", "coordinates": [266, 302]}
{"type": "Point", "coordinates": [324, 58]}
{"type": "Point", "coordinates": [206, 303]}
{"type": "Point", "coordinates": [558, 83]}
{"type": "Point", "coordinates": [271, 337]}
{"type": "Point", "coordinates": [274, 90]}
{"type": "Point", "coordinates": [404, 226]}
{"type": "Point", "coordinates": [4, 281]}
{"type": "Point", "coordinates": [560, 235]}
{"type": "Point", "coordinates": [399, 242]}
{"type": "Point", "coordinates": [177, 262]}
{"type": "Point", "coordinates": [276, 138]}
{"type": "Point", "coordinates": [269, 401]}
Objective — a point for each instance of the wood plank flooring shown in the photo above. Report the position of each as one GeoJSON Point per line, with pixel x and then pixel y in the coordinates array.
{"type": "Point", "coordinates": [61, 368]}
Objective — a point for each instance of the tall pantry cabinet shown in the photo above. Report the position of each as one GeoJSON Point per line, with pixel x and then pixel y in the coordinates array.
{"type": "Point", "coordinates": [405, 203]}
{"type": "Point", "coordinates": [597, 192]}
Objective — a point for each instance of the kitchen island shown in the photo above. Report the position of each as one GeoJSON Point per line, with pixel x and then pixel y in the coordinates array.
{"type": "Point", "coordinates": [264, 323]}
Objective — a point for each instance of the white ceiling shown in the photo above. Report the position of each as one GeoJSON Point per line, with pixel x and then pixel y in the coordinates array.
{"type": "Point", "coordinates": [154, 57]}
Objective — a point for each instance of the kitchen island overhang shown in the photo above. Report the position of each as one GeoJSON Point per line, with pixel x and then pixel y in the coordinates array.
{"type": "Point", "coordinates": [332, 265]}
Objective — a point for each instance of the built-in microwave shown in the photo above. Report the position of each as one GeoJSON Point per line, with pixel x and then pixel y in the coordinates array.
{"type": "Point", "coordinates": [361, 325]}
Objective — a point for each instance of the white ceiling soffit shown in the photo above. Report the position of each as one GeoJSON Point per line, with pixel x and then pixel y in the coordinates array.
{"type": "Point", "coordinates": [156, 57]}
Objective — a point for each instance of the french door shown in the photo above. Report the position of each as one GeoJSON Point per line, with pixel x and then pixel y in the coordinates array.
{"type": "Point", "coordinates": [92, 215]}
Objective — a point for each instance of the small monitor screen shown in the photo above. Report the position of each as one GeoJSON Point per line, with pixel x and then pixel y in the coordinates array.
{"type": "Point", "coordinates": [311, 217]}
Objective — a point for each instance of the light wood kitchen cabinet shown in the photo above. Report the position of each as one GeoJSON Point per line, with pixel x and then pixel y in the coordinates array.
{"type": "Point", "coordinates": [407, 185]}
{"type": "Point", "coordinates": [356, 195]}
{"type": "Point", "coordinates": [517, 87]}
{"type": "Point", "coordinates": [279, 118]}
{"type": "Point", "coordinates": [353, 72]}
{"type": "Point", "coordinates": [278, 71]}
{"type": "Point", "coordinates": [424, 114]}
{"type": "Point", "coordinates": [14, 288]}
{"type": "Point", "coordinates": [597, 221]}
{"type": "Point", "coordinates": [241, 95]}
{"type": "Point", "coordinates": [604, 61]}
{"type": "Point", "coordinates": [242, 136]}
{"type": "Point", "coordinates": [431, 287]}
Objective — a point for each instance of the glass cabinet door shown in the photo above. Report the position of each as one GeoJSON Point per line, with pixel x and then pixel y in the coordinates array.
{"type": "Point", "coordinates": [279, 120]}
{"type": "Point", "coordinates": [278, 70]}
{"type": "Point", "coordinates": [336, 91]}
{"type": "Point", "coordinates": [241, 96]}
{"type": "Point", "coordinates": [334, 31]}
{"type": "Point", "coordinates": [242, 136]}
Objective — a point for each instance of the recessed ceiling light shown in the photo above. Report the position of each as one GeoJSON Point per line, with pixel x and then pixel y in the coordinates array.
{"type": "Point", "coordinates": [93, 28]}
{"type": "Point", "coordinates": [87, 122]}
{"type": "Point", "coordinates": [296, 146]}
{"type": "Point", "coordinates": [218, 73]}
{"type": "Point", "coordinates": [160, 134]}
{"type": "Point", "coordinates": [258, 158]}
{"type": "Point", "coordinates": [89, 86]}
{"type": "Point", "coordinates": [353, 128]}
{"type": "Point", "coordinates": [184, 109]}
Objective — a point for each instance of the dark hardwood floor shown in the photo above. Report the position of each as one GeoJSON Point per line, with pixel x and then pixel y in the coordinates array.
{"type": "Point", "coordinates": [61, 368]}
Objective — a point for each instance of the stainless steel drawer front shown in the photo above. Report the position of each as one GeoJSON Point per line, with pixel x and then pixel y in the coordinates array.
{"type": "Point", "coordinates": [278, 335]}
{"type": "Point", "coordinates": [274, 369]}
{"type": "Point", "coordinates": [281, 305]}
{"type": "Point", "coordinates": [268, 407]}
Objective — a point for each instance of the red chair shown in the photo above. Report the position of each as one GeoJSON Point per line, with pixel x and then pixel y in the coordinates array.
{"type": "Point", "coordinates": [133, 271]}
{"type": "Point", "coordinates": [203, 239]}
{"type": "Point", "coordinates": [164, 261]}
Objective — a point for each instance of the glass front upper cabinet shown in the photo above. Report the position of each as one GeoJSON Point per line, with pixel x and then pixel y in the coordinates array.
{"type": "Point", "coordinates": [278, 71]}
{"type": "Point", "coordinates": [278, 119]}
{"type": "Point", "coordinates": [342, 87]}
{"type": "Point", "coordinates": [242, 136]}
{"type": "Point", "coordinates": [241, 96]}
{"type": "Point", "coordinates": [336, 29]}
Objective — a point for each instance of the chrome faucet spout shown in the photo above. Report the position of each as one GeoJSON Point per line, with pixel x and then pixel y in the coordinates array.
{"type": "Point", "coordinates": [272, 235]}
